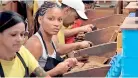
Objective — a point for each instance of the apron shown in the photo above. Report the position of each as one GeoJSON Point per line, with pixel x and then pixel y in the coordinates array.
{"type": "Point", "coordinates": [51, 62]}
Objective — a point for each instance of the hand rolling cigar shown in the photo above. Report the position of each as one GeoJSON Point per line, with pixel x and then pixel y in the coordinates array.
{"type": "Point", "coordinates": [94, 28]}
{"type": "Point", "coordinates": [83, 58]}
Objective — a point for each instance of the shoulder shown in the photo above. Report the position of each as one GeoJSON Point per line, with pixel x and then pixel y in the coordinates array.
{"type": "Point", "coordinates": [33, 39]}
{"type": "Point", "coordinates": [33, 44]}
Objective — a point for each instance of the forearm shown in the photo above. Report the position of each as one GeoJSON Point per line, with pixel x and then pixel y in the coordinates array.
{"type": "Point", "coordinates": [71, 32]}
{"type": "Point", "coordinates": [39, 72]}
{"type": "Point", "coordinates": [66, 48]}
{"type": "Point", "coordinates": [53, 72]}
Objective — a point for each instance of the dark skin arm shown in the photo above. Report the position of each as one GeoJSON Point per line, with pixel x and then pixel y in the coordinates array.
{"type": "Point", "coordinates": [34, 46]}
{"type": "Point", "coordinates": [39, 72]}
{"type": "Point", "coordinates": [66, 48]}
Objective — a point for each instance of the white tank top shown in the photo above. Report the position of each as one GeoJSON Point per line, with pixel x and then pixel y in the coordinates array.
{"type": "Point", "coordinates": [43, 59]}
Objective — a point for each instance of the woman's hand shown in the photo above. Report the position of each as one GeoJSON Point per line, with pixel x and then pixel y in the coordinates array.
{"type": "Point", "coordinates": [72, 62]}
{"type": "Point", "coordinates": [62, 67]}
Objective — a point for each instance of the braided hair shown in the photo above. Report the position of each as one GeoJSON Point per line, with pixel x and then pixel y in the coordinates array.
{"type": "Point", "coordinates": [41, 11]}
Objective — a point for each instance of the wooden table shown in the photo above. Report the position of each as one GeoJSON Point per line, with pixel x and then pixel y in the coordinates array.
{"type": "Point", "coordinates": [133, 6]}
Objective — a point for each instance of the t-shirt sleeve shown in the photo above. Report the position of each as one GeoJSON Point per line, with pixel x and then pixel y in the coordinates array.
{"type": "Point", "coordinates": [61, 37]}
{"type": "Point", "coordinates": [30, 60]}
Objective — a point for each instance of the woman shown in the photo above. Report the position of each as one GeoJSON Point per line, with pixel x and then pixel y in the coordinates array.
{"type": "Point", "coordinates": [15, 60]}
{"type": "Point", "coordinates": [49, 19]}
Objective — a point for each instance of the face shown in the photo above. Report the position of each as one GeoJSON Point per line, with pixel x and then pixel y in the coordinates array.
{"type": "Point", "coordinates": [51, 21]}
{"type": "Point", "coordinates": [13, 37]}
{"type": "Point", "coordinates": [70, 16]}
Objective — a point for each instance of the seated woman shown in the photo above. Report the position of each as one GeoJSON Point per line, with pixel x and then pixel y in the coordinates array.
{"type": "Point", "coordinates": [15, 59]}
{"type": "Point", "coordinates": [49, 18]}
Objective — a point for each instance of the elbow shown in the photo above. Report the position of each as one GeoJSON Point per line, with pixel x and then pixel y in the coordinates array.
{"type": "Point", "coordinates": [59, 52]}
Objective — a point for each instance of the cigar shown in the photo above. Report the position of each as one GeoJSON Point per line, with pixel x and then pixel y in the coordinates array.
{"type": "Point", "coordinates": [94, 28]}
